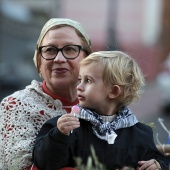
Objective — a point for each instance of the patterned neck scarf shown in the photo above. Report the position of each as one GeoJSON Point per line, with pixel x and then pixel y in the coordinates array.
{"type": "Point", "coordinates": [106, 130]}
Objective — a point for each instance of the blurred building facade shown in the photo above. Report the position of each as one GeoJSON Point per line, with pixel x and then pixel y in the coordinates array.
{"type": "Point", "coordinates": [129, 25]}
{"type": "Point", "coordinates": [21, 22]}
{"type": "Point", "coordinates": [141, 28]}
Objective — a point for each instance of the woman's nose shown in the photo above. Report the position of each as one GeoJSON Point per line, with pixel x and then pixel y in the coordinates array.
{"type": "Point", "coordinates": [59, 57]}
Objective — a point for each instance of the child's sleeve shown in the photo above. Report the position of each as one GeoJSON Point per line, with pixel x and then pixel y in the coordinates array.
{"type": "Point", "coordinates": [51, 147]}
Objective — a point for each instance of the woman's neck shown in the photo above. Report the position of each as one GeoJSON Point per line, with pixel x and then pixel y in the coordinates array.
{"type": "Point", "coordinates": [70, 96]}
{"type": "Point", "coordinates": [67, 104]}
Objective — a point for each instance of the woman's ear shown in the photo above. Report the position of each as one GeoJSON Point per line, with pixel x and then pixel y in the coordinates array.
{"type": "Point", "coordinates": [114, 92]}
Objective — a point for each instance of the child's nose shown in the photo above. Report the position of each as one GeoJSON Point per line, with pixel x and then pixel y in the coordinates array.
{"type": "Point", "coordinates": [80, 87]}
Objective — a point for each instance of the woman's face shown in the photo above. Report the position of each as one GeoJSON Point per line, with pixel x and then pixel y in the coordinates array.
{"type": "Point", "coordinates": [61, 73]}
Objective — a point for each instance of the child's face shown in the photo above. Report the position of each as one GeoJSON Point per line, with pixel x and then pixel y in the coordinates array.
{"type": "Point", "coordinates": [92, 92]}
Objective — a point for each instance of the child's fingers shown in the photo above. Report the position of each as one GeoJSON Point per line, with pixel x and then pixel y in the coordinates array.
{"type": "Point", "coordinates": [67, 123]}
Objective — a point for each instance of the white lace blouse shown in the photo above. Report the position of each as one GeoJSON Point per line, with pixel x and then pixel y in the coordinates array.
{"type": "Point", "coordinates": [21, 117]}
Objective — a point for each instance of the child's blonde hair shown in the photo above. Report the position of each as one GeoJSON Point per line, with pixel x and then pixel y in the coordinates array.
{"type": "Point", "coordinates": [119, 69]}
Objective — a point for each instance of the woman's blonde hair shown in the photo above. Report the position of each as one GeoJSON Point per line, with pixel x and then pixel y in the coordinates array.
{"type": "Point", "coordinates": [119, 69]}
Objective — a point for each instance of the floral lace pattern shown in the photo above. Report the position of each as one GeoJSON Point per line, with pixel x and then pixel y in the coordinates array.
{"type": "Point", "coordinates": [21, 117]}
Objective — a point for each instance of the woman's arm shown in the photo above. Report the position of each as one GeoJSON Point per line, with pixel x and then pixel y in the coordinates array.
{"type": "Point", "coordinates": [16, 135]}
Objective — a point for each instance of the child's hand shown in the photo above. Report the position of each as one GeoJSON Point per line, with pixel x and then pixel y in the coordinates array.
{"type": "Point", "coordinates": [67, 123]}
{"type": "Point", "coordinates": [151, 165]}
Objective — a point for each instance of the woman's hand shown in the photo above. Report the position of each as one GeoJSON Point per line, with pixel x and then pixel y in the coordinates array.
{"type": "Point", "coordinates": [149, 165]}
{"type": "Point", "coordinates": [67, 123]}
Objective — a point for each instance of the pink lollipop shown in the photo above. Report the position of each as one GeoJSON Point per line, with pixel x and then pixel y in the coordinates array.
{"type": "Point", "coordinates": [75, 110]}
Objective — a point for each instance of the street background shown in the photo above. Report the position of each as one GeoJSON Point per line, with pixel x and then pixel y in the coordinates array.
{"type": "Point", "coordinates": [140, 28]}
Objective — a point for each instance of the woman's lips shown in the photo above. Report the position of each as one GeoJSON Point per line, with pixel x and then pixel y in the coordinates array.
{"type": "Point", "coordinates": [60, 70]}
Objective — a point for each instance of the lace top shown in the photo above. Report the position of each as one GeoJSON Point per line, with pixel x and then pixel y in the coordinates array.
{"type": "Point", "coordinates": [21, 117]}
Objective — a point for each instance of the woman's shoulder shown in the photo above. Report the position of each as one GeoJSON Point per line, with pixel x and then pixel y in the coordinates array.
{"type": "Point", "coordinates": [35, 85]}
{"type": "Point", "coordinates": [28, 91]}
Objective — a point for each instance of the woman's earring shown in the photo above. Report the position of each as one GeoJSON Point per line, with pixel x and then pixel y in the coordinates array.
{"type": "Point", "coordinates": [40, 74]}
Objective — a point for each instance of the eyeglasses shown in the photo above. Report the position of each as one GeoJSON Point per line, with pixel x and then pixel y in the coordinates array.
{"type": "Point", "coordinates": [70, 52]}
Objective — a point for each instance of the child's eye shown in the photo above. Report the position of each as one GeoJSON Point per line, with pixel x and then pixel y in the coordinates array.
{"type": "Point", "coordinates": [79, 80]}
{"type": "Point", "coordinates": [88, 80]}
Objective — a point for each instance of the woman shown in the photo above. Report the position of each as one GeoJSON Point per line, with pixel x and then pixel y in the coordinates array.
{"type": "Point", "coordinates": [62, 44]}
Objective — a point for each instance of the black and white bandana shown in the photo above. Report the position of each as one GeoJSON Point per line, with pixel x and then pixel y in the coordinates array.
{"type": "Point", "coordinates": [106, 130]}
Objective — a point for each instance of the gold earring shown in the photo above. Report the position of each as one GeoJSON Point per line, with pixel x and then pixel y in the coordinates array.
{"type": "Point", "coordinates": [40, 74]}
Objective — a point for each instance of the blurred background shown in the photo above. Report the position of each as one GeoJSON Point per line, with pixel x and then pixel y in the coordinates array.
{"type": "Point", "coordinates": [140, 28]}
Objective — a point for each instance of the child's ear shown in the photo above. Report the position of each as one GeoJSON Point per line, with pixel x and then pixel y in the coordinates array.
{"type": "Point", "coordinates": [114, 92]}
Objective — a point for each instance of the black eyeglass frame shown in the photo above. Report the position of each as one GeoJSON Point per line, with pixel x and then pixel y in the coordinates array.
{"type": "Point", "coordinates": [61, 49]}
